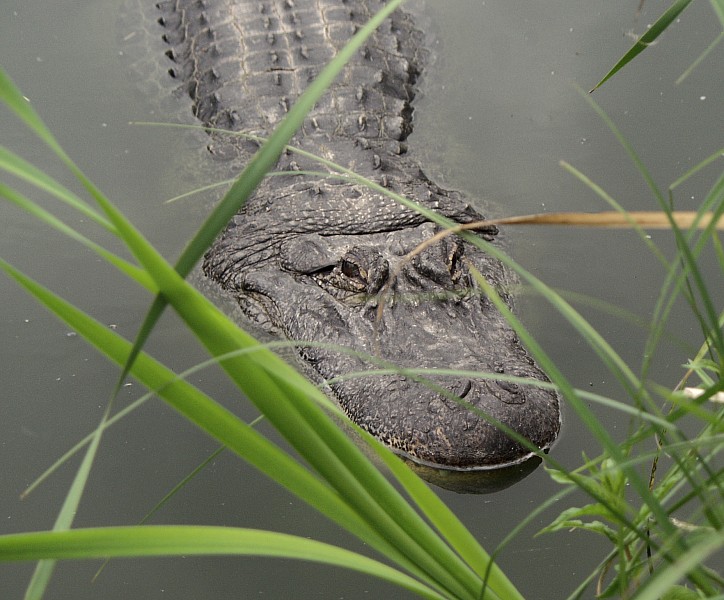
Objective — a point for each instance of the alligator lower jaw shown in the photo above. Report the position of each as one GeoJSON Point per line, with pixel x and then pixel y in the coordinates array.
{"type": "Point", "coordinates": [486, 480]}
{"type": "Point", "coordinates": [470, 479]}
{"type": "Point", "coordinates": [425, 464]}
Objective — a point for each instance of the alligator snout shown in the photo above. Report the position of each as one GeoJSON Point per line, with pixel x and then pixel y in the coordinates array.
{"type": "Point", "coordinates": [453, 426]}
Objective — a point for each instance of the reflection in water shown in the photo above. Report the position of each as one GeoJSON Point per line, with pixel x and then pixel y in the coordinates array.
{"type": "Point", "coordinates": [479, 481]}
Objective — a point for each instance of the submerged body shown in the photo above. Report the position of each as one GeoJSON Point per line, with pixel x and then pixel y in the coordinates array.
{"type": "Point", "coordinates": [311, 258]}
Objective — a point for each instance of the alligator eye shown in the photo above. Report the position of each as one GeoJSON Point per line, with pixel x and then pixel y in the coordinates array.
{"type": "Point", "coordinates": [454, 261]}
{"type": "Point", "coordinates": [351, 270]}
{"type": "Point", "coordinates": [359, 274]}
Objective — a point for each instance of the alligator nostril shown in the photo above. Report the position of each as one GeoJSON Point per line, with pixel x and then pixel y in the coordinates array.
{"type": "Point", "coordinates": [513, 388]}
{"type": "Point", "coordinates": [515, 396]}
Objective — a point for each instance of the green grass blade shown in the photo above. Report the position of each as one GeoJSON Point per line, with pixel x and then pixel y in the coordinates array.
{"type": "Point", "coordinates": [125, 267]}
{"type": "Point", "coordinates": [445, 521]}
{"type": "Point", "coordinates": [226, 428]}
{"type": "Point", "coordinates": [195, 541]}
{"type": "Point", "coordinates": [688, 259]}
{"type": "Point", "coordinates": [184, 375]}
{"type": "Point", "coordinates": [171, 493]}
{"type": "Point", "coordinates": [201, 190]}
{"type": "Point", "coordinates": [81, 444]}
{"type": "Point", "coordinates": [718, 155]}
{"type": "Point", "coordinates": [707, 51]}
{"type": "Point", "coordinates": [688, 256]}
{"type": "Point", "coordinates": [601, 193]}
{"type": "Point", "coordinates": [77, 447]}
{"type": "Point", "coordinates": [718, 7]}
{"type": "Point", "coordinates": [11, 96]}
{"type": "Point", "coordinates": [584, 413]}
{"type": "Point", "coordinates": [638, 163]}
{"type": "Point", "coordinates": [15, 165]}
{"type": "Point", "coordinates": [44, 569]}
{"type": "Point", "coordinates": [655, 587]}
{"type": "Point", "coordinates": [646, 39]}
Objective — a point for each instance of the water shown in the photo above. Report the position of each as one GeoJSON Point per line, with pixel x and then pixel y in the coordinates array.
{"type": "Point", "coordinates": [498, 113]}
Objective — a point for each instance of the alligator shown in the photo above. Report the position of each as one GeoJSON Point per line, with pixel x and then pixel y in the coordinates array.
{"type": "Point", "coordinates": [314, 259]}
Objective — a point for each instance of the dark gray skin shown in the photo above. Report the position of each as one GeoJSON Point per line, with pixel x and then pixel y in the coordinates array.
{"type": "Point", "coordinates": [311, 258]}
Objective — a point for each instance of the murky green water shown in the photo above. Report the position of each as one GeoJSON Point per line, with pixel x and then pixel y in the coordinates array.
{"type": "Point", "coordinates": [498, 113]}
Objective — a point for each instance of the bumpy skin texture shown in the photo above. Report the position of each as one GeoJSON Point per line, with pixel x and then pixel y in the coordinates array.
{"type": "Point", "coordinates": [309, 258]}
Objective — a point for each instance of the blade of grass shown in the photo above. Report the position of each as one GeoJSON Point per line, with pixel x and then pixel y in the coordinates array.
{"type": "Point", "coordinates": [312, 433]}
{"type": "Point", "coordinates": [707, 51]}
{"type": "Point", "coordinates": [15, 165]}
{"type": "Point", "coordinates": [328, 449]}
{"type": "Point", "coordinates": [125, 267]}
{"type": "Point", "coordinates": [44, 569]}
{"type": "Point", "coordinates": [12, 98]}
{"type": "Point", "coordinates": [201, 190]}
{"type": "Point", "coordinates": [105, 342]}
{"type": "Point", "coordinates": [687, 257]}
{"type": "Point", "coordinates": [451, 527]}
{"type": "Point", "coordinates": [718, 8]}
{"type": "Point", "coordinates": [718, 155]}
{"type": "Point", "coordinates": [700, 575]}
{"type": "Point", "coordinates": [612, 448]}
{"type": "Point", "coordinates": [128, 410]}
{"type": "Point", "coordinates": [655, 587]}
{"type": "Point", "coordinates": [646, 39]}
{"type": "Point", "coordinates": [173, 540]}
{"type": "Point", "coordinates": [172, 492]}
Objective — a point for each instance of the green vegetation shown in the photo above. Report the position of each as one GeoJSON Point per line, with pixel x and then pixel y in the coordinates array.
{"type": "Point", "coordinates": [662, 528]}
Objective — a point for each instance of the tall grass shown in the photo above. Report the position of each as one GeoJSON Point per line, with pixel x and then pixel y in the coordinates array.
{"type": "Point", "coordinates": [662, 526]}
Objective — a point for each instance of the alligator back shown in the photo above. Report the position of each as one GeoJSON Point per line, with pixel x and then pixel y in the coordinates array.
{"type": "Point", "coordinates": [244, 63]}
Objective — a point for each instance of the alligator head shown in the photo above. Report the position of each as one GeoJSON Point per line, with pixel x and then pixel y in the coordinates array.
{"type": "Point", "coordinates": [340, 274]}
